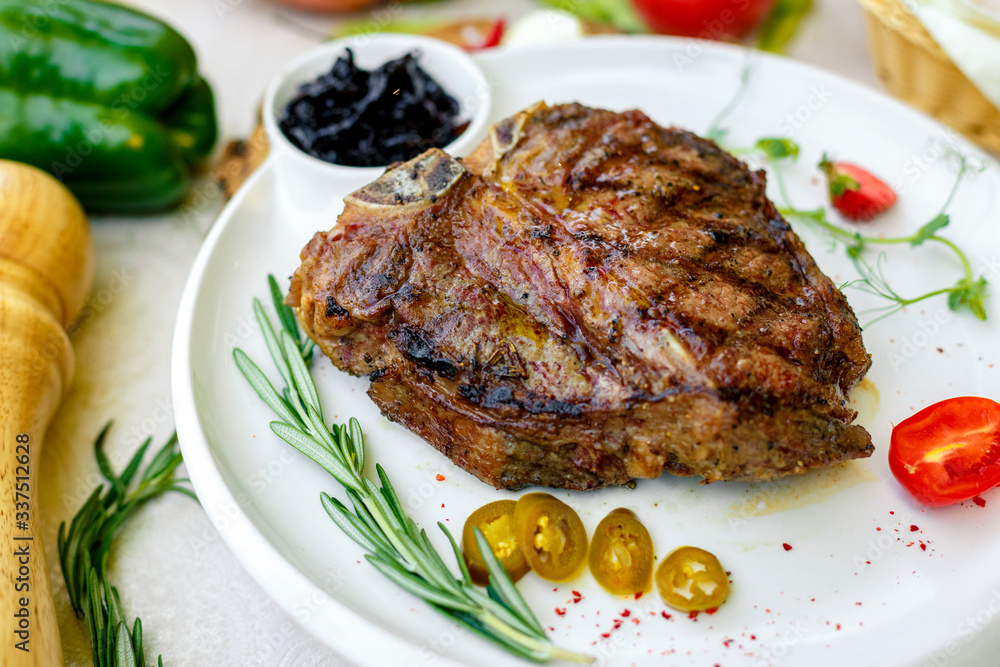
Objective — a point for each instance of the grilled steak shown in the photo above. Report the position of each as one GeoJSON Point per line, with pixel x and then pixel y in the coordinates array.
{"type": "Point", "coordinates": [587, 299]}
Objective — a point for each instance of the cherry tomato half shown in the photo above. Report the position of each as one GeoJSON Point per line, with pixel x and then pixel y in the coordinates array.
{"type": "Point", "coordinates": [691, 579]}
{"type": "Point", "coordinates": [552, 537]}
{"type": "Point", "coordinates": [496, 520]}
{"type": "Point", "coordinates": [708, 19]}
{"type": "Point", "coordinates": [949, 451]}
{"type": "Point", "coordinates": [621, 554]}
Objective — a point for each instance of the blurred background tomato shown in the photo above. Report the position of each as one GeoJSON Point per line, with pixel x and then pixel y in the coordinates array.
{"type": "Point", "coordinates": [708, 19]}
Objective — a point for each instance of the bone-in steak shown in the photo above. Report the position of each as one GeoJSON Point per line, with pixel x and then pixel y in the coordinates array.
{"type": "Point", "coordinates": [587, 299]}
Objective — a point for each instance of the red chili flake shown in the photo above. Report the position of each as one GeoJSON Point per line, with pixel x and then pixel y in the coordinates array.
{"type": "Point", "coordinates": [605, 634]}
{"type": "Point", "coordinates": [923, 547]}
{"type": "Point", "coordinates": [913, 528]}
{"type": "Point", "coordinates": [626, 613]}
{"type": "Point", "coordinates": [711, 610]}
{"type": "Point", "coordinates": [727, 642]}
{"type": "Point", "coordinates": [979, 501]}
{"type": "Point", "coordinates": [577, 596]}
{"type": "Point", "coordinates": [442, 505]}
{"type": "Point", "coordinates": [858, 603]}
{"type": "Point", "coordinates": [561, 612]}
{"type": "Point", "coordinates": [551, 629]}
{"type": "Point", "coordinates": [439, 477]}
{"type": "Point", "coordinates": [693, 615]}
{"type": "Point", "coordinates": [665, 615]}
{"type": "Point", "coordinates": [787, 546]}
{"type": "Point", "coordinates": [617, 624]}
{"type": "Point", "coordinates": [753, 637]}
{"type": "Point", "coordinates": [636, 621]}
{"type": "Point", "coordinates": [891, 512]}
{"type": "Point", "coordinates": [838, 626]}
{"type": "Point", "coordinates": [638, 595]}
{"type": "Point", "coordinates": [878, 528]}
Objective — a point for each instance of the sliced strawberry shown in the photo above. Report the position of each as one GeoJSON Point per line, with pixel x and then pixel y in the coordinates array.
{"type": "Point", "coordinates": [855, 192]}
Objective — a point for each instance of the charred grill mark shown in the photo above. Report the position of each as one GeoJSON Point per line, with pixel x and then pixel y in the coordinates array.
{"type": "Point", "coordinates": [502, 397]}
{"type": "Point", "coordinates": [415, 347]}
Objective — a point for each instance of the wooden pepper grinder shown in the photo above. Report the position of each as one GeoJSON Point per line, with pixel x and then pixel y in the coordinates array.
{"type": "Point", "coordinates": [46, 268]}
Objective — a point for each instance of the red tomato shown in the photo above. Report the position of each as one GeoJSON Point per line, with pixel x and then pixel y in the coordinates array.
{"type": "Point", "coordinates": [949, 451]}
{"type": "Point", "coordinates": [708, 19]}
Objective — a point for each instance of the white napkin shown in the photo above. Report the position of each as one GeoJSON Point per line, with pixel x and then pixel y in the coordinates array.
{"type": "Point", "coordinates": [969, 32]}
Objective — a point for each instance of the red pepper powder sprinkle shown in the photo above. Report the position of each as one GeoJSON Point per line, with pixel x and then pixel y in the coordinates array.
{"type": "Point", "coordinates": [439, 477]}
{"type": "Point", "coordinates": [913, 528]}
{"type": "Point", "coordinates": [638, 595]}
{"type": "Point", "coordinates": [626, 613]}
{"type": "Point", "coordinates": [787, 546]}
{"type": "Point", "coordinates": [979, 501]}
{"type": "Point", "coordinates": [923, 547]}
{"type": "Point", "coordinates": [693, 615]}
{"type": "Point", "coordinates": [711, 610]}
{"type": "Point", "coordinates": [665, 615]}
{"type": "Point", "coordinates": [561, 612]}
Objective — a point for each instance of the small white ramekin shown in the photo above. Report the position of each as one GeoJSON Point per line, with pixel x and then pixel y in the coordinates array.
{"type": "Point", "coordinates": [312, 188]}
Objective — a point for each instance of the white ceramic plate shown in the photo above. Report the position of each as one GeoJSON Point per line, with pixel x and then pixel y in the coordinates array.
{"type": "Point", "coordinates": [856, 587]}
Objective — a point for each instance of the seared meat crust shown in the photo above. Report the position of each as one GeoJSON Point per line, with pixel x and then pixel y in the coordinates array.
{"type": "Point", "coordinates": [587, 299]}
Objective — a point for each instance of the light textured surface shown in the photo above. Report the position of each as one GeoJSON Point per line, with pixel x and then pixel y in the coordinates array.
{"type": "Point", "coordinates": [197, 604]}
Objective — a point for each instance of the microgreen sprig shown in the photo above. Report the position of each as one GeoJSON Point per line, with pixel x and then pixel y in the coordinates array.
{"type": "Point", "coordinates": [968, 293]}
{"type": "Point", "coordinates": [84, 548]}
{"type": "Point", "coordinates": [376, 521]}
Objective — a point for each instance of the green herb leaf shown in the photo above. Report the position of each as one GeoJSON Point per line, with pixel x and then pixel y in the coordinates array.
{"type": "Point", "coordinates": [781, 24]}
{"type": "Point", "coordinates": [970, 294]}
{"type": "Point", "coordinates": [397, 547]}
{"type": "Point", "coordinates": [84, 547]}
{"type": "Point", "coordinates": [928, 230]}
{"type": "Point", "coordinates": [778, 148]}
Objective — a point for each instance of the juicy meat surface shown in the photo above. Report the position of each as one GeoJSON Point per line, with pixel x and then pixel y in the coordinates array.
{"type": "Point", "coordinates": [587, 299]}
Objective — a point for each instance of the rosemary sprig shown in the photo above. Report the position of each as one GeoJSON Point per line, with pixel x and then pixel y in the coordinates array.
{"type": "Point", "coordinates": [968, 293]}
{"type": "Point", "coordinates": [396, 546]}
{"type": "Point", "coordinates": [85, 547]}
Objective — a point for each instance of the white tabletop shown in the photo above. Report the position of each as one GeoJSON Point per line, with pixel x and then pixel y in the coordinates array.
{"type": "Point", "coordinates": [197, 604]}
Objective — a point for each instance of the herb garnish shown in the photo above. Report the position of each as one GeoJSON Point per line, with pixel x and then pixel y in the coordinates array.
{"type": "Point", "coordinates": [396, 547]}
{"type": "Point", "coordinates": [968, 293]}
{"type": "Point", "coordinates": [84, 549]}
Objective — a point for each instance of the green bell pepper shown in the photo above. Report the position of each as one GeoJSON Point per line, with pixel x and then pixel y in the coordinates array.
{"type": "Point", "coordinates": [105, 98]}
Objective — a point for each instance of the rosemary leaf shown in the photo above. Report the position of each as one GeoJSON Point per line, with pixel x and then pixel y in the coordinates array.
{"type": "Point", "coordinates": [317, 452]}
{"type": "Point", "coordinates": [396, 546]}
{"type": "Point", "coordinates": [84, 548]}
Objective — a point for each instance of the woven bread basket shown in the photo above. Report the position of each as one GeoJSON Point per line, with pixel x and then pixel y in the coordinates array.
{"type": "Point", "coordinates": [915, 69]}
